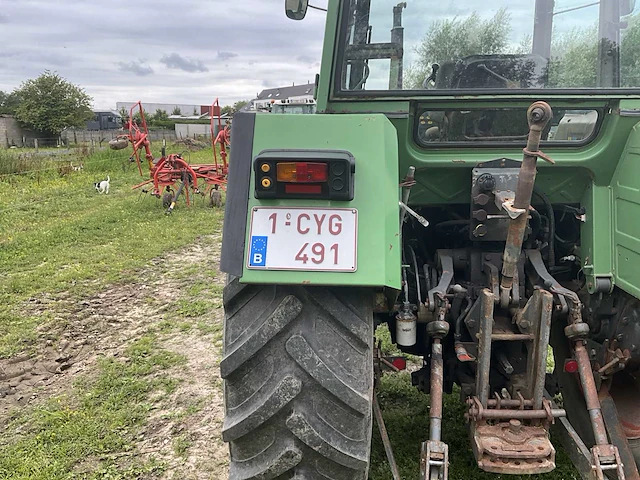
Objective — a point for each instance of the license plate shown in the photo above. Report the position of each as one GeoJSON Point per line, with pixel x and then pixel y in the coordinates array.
{"type": "Point", "coordinates": [310, 239]}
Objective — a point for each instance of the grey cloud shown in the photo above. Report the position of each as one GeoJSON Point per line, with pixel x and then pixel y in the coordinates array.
{"type": "Point", "coordinates": [178, 62]}
{"type": "Point", "coordinates": [137, 68]}
{"type": "Point", "coordinates": [226, 55]}
{"type": "Point", "coordinates": [4, 19]}
{"type": "Point", "coordinates": [306, 59]}
{"type": "Point", "coordinates": [103, 57]}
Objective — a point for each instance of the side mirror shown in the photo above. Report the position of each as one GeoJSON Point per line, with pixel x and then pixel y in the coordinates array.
{"type": "Point", "coordinates": [296, 9]}
{"type": "Point", "coordinates": [627, 7]}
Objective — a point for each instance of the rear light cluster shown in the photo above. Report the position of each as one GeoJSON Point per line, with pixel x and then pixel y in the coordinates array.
{"type": "Point", "coordinates": [304, 174]}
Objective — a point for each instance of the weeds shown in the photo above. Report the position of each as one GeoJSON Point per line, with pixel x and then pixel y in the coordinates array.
{"type": "Point", "coordinates": [60, 235]}
{"type": "Point", "coordinates": [101, 415]}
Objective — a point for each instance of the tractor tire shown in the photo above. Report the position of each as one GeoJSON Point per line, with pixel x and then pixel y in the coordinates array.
{"type": "Point", "coordinates": [298, 380]}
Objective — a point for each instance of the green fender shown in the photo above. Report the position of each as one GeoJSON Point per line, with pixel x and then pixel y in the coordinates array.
{"type": "Point", "coordinates": [372, 140]}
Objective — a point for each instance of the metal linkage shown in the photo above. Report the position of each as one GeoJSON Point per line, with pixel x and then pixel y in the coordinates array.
{"type": "Point", "coordinates": [434, 461]}
{"type": "Point", "coordinates": [538, 115]}
{"type": "Point", "coordinates": [486, 304]}
{"type": "Point", "coordinates": [604, 455]}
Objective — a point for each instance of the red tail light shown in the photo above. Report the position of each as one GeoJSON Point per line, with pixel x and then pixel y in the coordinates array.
{"type": "Point", "coordinates": [302, 172]}
{"type": "Point", "coordinates": [400, 363]}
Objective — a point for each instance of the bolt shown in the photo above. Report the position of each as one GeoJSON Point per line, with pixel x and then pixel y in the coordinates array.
{"type": "Point", "coordinates": [619, 337]}
{"type": "Point", "coordinates": [625, 320]}
{"type": "Point", "coordinates": [524, 324]}
{"type": "Point", "coordinates": [515, 426]}
{"type": "Point", "coordinates": [471, 323]}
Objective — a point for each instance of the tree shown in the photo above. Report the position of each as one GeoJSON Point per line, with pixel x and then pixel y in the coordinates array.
{"type": "Point", "coordinates": [574, 53]}
{"type": "Point", "coordinates": [176, 111]}
{"type": "Point", "coordinates": [630, 53]}
{"type": "Point", "coordinates": [160, 116]}
{"type": "Point", "coordinates": [451, 39]}
{"type": "Point", "coordinates": [574, 58]}
{"type": "Point", "coordinates": [49, 104]}
{"type": "Point", "coordinates": [124, 114]}
{"type": "Point", "coordinates": [8, 103]}
{"type": "Point", "coordinates": [240, 105]}
{"type": "Point", "coordinates": [226, 110]}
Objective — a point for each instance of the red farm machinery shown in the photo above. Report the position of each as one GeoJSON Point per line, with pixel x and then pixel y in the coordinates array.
{"type": "Point", "coordinates": [171, 175]}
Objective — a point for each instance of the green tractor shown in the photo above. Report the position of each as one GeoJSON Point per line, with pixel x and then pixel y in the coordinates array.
{"type": "Point", "coordinates": [419, 197]}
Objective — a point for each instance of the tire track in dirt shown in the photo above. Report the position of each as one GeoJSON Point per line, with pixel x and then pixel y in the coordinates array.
{"type": "Point", "coordinates": [183, 429]}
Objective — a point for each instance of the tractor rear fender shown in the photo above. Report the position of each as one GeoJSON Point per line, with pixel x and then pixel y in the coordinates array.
{"type": "Point", "coordinates": [370, 142]}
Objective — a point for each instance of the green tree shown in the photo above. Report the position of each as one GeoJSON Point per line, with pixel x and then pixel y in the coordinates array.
{"type": "Point", "coordinates": [124, 114]}
{"type": "Point", "coordinates": [630, 53]}
{"type": "Point", "coordinates": [226, 110]}
{"type": "Point", "coordinates": [160, 116]}
{"type": "Point", "coordinates": [176, 111]}
{"type": "Point", "coordinates": [8, 103]}
{"type": "Point", "coordinates": [49, 104]}
{"type": "Point", "coordinates": [239, 105]}
{"type": "Point", "coordinates": [574, 58]}
{"type": "Point", "coordinates": [451, 39]}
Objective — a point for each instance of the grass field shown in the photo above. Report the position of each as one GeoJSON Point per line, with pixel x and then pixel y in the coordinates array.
{"type": "Point", "coordinates": [58, 234]}
{"type": "Point", "coordinates": [142, 289]}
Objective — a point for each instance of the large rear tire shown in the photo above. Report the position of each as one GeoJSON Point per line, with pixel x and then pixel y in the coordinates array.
{"type": "Point", "coordinates": [298, 371]}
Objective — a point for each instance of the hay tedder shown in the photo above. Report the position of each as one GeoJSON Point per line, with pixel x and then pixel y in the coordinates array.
{"type": "Point", "coordinates": [171, 175]}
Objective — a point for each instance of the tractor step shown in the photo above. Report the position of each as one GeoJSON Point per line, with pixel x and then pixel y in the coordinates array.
{"type": "Point", "coordinates": [513, 448]}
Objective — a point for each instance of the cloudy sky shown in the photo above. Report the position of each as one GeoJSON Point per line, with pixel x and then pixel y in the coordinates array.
{"type": "Point", "coordinates": [192, 51]}
{"type": "Point", "coordinates": [180, 51]}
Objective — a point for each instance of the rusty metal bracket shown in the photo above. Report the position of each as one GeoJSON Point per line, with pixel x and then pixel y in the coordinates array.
{"type": "Point", "coordinates": [445, 259]}
{"type": "Point", "coordinates": [510, 447]}
{"type": "Point", "coordinates": [504, 201]}
{"type": "Point", "coordinates": [434, 461]}
{"type": "Point", "coordinates": [606, 458]}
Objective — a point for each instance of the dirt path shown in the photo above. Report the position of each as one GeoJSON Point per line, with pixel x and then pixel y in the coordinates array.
{"type": "Point", "coordinates": [183, 429]}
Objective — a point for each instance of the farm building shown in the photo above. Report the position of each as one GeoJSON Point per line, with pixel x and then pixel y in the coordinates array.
{"type": "Point", "coordinates": [295, 92]}
{"type": "Point", "coordinates": [106, 120]}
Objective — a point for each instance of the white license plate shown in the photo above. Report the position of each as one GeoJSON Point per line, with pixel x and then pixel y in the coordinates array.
{"type": "Point", "coordinates": [311, 239]}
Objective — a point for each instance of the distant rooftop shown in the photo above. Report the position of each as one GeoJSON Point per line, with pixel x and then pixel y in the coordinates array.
{"type": "Point", "coordinates": [286, 92]}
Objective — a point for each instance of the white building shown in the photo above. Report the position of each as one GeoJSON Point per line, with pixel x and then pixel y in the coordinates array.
{"type": "Point", "coordinates": [302, 94]}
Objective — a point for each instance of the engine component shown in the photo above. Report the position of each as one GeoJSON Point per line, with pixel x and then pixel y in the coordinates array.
{"type": "Point", "coordinates": [406, 327]}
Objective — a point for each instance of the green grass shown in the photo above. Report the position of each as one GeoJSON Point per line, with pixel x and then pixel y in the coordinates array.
{"type": "Point", "coordinates": [58, 234]}
{"type": "Point", "coordinates": [102, 414]}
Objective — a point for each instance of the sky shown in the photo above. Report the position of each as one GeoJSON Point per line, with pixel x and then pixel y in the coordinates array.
{"type": "Point", "coordinates": [193, 51]}
{"type": "Point", "coordinates": [160, 51]}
